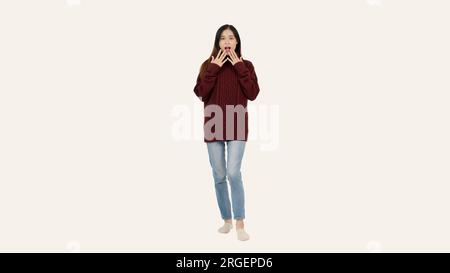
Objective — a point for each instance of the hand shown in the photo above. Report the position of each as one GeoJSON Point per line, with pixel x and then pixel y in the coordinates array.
{"type": "Point", "coordinates": [234, 58]}
{"type": "Point", "coordinates": [219, 60]}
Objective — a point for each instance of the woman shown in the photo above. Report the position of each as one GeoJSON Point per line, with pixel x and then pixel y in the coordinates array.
{"type": "Point", "coordinates": [225, 82]}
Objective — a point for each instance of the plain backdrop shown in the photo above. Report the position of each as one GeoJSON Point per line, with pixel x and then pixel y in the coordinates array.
{"type": "Point", "coordinates": [90, 99]}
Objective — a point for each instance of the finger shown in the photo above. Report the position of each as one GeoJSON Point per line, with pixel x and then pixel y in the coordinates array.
{"type": "Point", "coordinates": [228, 59]}
{"type": "Point", "coordinates": [235, 57]}
{"type": "Point", "coordinates": [212, 58]}
{"type": "Point", "coordinates": [234, 54]}
{"type": "Point", "coordinates": [224, 54]}
{"type": "Point", "coordinates": [230, 56]}
{"type": "Point", "coordinates": [220, 54]}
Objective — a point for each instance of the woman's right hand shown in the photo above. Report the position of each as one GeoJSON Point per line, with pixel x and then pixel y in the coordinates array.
{"type": "Point", "coordinates": [219, 60]}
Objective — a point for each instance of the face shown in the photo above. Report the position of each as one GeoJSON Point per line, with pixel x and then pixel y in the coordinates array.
{"type": "Point", "coordinates": [227, 41]}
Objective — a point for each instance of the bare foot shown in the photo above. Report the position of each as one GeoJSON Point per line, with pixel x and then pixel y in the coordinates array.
{"type": "Point", "coordinates": [239, 224]}
{"type": "Point", "coordinates": [227, 226]}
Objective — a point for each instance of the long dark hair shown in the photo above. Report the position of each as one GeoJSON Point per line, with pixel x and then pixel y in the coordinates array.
{"type": "Point", "coordinates": [216, 46]}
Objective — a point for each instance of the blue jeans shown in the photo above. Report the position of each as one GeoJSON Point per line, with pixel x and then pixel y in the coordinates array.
{"type": "Point", "coordinates": [231, 169]}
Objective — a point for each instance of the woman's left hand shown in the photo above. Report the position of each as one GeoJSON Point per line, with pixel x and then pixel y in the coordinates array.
{"type": "Point", "coordinates": [234, 57]}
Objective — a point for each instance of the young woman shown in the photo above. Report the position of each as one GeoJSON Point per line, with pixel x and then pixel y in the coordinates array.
{"type": "Point", "coordinates": [225, 82]}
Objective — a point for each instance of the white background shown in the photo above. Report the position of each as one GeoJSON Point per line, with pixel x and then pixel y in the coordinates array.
{"type": "Point", "coordinates": [89, 161]}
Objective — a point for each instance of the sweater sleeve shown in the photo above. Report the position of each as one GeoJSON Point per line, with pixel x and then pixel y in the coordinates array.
{"type": "Point", "coordinates": [204, 85]}
{"type": "Point", "coordinates": [247, 79]}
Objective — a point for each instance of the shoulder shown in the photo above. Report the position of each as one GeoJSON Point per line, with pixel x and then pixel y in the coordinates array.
{"type": "Point", "coordinates": [248, 63]}
{"type": "Point", "coordinates": [244, 66]}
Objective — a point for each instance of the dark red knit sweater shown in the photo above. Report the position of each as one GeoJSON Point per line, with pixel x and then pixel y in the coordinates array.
{"type": "Point", "coordinates": [229, 85]}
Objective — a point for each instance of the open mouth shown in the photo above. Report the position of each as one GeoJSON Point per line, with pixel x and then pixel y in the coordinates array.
{"type": "Point", "coordinates": [228, 48]}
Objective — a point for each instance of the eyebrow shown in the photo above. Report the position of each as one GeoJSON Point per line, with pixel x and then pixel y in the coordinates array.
{"type": "Point", "coordinates": [231, 35]}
